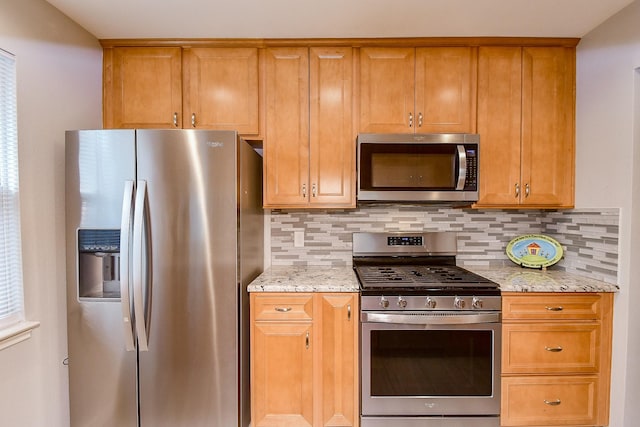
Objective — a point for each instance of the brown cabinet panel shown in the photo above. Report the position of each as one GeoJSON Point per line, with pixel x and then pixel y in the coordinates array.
{"type": "Point", "coordinates": [552, 306]}
{"type": "Point", "coordinates": [556, 359]}
{"type": "Point", "coordinates": [332, 140]}
{"type": "Point", "coordinates": [286, 145]}
{"type": "Point", "coordinates": [283, 307]}
{"type": "Point", "coordinates": [142, 87]}
{"type": "Point", "coordinates": [446, 89]}
{"type": "Point", "coordinates": [221, 89]}
{"type": "Point", "coordinates": [549, 401]}
{"type": "Point", "coordinates": [305, 372]}
{"type": "Point", "coordinates": [338, 383]}
{"type": "Point", "coordinates": [526, 99]}
{"type": "Point", "coordinates": [282, 376]}
{"type": "Point", "coordinates": [499, 100]}
{"type": "Point", "coordinates": [387, 87]}
{"type": "Point", "coordinates": [549, 347]}
{"type": "Point", "coordinates": [548, 126]}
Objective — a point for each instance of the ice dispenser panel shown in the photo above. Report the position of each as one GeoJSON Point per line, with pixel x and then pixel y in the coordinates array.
{"type": "Point", "coordinates": [99, 264]}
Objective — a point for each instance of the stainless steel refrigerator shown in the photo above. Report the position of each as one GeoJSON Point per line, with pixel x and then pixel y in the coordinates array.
{"type": "Point", "coordinates": [164, 232]}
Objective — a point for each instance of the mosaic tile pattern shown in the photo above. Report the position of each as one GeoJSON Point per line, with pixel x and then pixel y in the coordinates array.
{"type": "Point", "coordinates": [590, 236]}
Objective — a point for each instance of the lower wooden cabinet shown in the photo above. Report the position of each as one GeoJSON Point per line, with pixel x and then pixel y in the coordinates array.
{"type": "Point", "coordinates": [304, 359]}
{"type": "Point", "coordinates": [556, 359]}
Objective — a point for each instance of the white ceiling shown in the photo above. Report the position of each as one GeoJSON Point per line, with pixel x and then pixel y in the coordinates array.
{"type": "Point", "coordinates": [108, 19]}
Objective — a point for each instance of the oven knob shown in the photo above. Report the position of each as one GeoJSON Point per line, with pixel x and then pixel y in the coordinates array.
{"type": "Point", "coordinates": [476, 303]}
{"type": "Point", "coordinates": [430, 303]}
{"type": "Point", "coordinates": [458, 303]}
{"type": "Point", "coordinates": [402, 303]}
{"type": "Point", "coordinates": [384, 303]}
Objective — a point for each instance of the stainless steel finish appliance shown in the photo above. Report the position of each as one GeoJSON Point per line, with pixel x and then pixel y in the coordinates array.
{"type": "Point", "coordinates": [164, 232]}
{"type": "Point", "coordinates": [439, 168]}
{"type": "Point", "coordinates": [430, 334]}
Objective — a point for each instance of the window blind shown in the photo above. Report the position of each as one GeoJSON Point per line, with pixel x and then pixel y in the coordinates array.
{"type": "Point", "coordinates": [11, 300]}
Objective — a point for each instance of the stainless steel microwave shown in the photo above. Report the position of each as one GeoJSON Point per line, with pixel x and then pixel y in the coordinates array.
{"type": "Point", "coordinates": [418, 167]}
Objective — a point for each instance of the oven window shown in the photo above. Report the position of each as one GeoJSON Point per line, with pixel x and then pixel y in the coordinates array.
{"type": "Point", "coordinates": [431, 363]}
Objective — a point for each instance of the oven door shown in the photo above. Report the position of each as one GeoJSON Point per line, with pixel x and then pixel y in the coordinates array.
{"type": "Point", "coordinates": [430, 364]}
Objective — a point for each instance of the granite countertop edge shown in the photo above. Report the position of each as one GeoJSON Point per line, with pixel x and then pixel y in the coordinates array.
{"type": "Point", "coordinates": [343, 279]}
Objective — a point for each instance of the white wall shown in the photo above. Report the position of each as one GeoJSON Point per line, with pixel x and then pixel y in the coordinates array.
{"type": "Point", "coordinates": [608, 100]}
{"type": "Point", "coordinates": [59, 75]}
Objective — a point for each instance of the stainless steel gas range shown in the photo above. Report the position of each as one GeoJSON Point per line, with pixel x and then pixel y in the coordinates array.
{"type": "Point", "coordinates": [430, 334]}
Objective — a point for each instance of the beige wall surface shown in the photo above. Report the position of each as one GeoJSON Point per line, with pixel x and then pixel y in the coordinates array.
{"type": "Point", "coordinates": [608, 175]}
{"type": "Point", "coordinates": [59, 87]}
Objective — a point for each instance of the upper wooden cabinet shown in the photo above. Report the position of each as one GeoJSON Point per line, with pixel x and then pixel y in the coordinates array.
{"type": "Point", "coordinates": [421, 90]}
{"type": "Point", "coordinates": [204, 88]}
{"type": "Point", "coordinates": [142, 87]}
{"type": "Point", "coordinates": [221, 89]}
{"type": "Point", "coordinates": [309, 145]}
{"type": "Point", "coordinates": [526, 99]}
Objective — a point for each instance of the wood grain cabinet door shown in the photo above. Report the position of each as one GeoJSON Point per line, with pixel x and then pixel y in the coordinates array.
{"type": "Point", "coordinates": [286, 144]}
{"type": "Point", "coordinates": [446, 89]}
{"type": "Point", "coordinates": [499, 123]}
{"type": "Point", "coordinates": [548, 99]}
{"type": "Point", "coordinates": [142, 87]}
{"type": "Point", "coordinates": [387, 89]}
{"type": "Point", "coordinates": [332, 139]}
{"type": "Point", "coordinates": [221, 89]}
{"type": "Point", "coordinates": [337, 386]}
{"type": "Point", "coordinates": [282, 374]}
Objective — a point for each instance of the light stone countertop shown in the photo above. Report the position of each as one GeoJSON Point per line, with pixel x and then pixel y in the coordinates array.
{"type": "Point", "coordinates": [518, 279]}
{"type": "Point", "coordinates": [306, 279]}
{"type": "Point", "coordinates": [343, 279]}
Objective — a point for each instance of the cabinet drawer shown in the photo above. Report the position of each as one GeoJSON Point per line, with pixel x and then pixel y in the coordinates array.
{"type": "Point", "coordinates": [552, 307]}
{"type": "Point", "coordinates": [549, 401]}
{"type": "Point", "coordinates": [551, 348]}
{"type": "Point", "coordinates": [283, 306]}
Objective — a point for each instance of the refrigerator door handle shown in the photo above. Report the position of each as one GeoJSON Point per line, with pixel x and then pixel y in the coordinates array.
{"type": "Point", "coordinates": [125, 295]}
{"type": "Point", "coordinates": [141, 261]}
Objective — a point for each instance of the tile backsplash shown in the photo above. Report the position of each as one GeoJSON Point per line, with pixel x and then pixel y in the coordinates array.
{"type": "Point", "coordinates": [589, 236]}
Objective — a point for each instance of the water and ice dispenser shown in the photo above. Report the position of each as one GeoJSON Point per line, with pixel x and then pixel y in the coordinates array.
{"type": "Point", "coordinates": [98, 264]}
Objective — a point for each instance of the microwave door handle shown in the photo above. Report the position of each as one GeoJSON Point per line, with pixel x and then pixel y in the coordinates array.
{"type": "Point", "coordinates": [462, 167]}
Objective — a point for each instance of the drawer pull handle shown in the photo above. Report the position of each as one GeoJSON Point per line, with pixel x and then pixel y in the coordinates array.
{"type": "Point", "coordinates": [349, 312]}
{"type": "Point", "coordinates": [306, 341]}
{"type": "Point", "coordinates": [554, 349]}
{"type": "Point", "coordinates": [283, 309]}
{"type": "Point", "coordinates": [559, 308]}
{"type": "Point", "coordinates": [553, 402]}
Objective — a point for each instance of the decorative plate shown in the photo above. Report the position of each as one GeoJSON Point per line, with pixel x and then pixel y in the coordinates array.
{"type": "Point", "coordinates": [534, 251]}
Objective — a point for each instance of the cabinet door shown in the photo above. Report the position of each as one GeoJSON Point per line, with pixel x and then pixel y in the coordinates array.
{"type": "Point", "coordinates": [142, 87]}
{"type": "Point", "coordinates": [446, 89]}
{"type": "Point", "coordinates": [332, 140]}
{"type": "Point", "coordinates": [282, 374]}
{"type": "Point", "coordinates": [499, 99]}
{"type": "Point", "coordinates": [387, 86]}
{"type": "Point", "coordinates": [221, 89]}
{"type": "Point", "coordinates": [338, 360]}
{"type": "Point", "coordinates": [286, 144]}
{"type": "Point", "coordinates": [548, 98]}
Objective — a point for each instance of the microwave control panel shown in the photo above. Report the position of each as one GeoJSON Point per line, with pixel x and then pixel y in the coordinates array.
{"type": "Point", "coordinates": [471, 183]}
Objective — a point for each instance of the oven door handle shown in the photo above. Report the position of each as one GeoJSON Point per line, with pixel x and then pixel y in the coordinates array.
{"type": "Point", "coordinates": [419, 318]}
